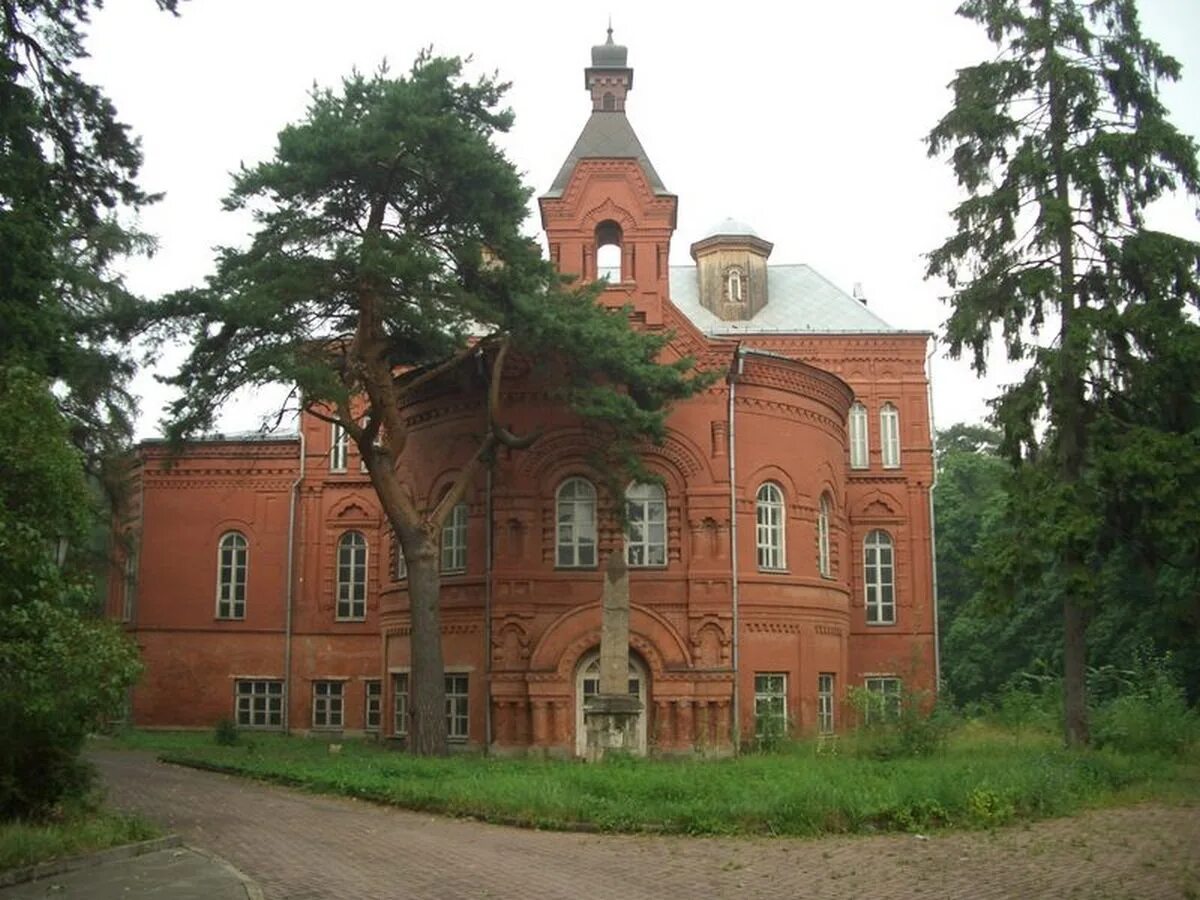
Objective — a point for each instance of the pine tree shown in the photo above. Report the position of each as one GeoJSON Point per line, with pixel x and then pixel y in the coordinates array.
{"type": "Point", "coordinates": [1061, 142]}
{"type": "Point", "coordinates": [388, 258]}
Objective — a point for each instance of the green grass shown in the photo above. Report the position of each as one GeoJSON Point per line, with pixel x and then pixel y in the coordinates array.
{"type": "Point", "coordinates": [81, 830]}
{"type": "Point", "coordinates": [982, 778]}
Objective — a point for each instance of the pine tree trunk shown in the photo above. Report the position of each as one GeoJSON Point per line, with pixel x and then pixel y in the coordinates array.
{"type": "Point", "coordinates": [427, 706]}
{"type": "Point", "coordinates": [1067, 409]}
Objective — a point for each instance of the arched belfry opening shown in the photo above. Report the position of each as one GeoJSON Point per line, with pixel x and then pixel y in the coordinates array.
{"type": "Point", "coordinates": [609, 238]}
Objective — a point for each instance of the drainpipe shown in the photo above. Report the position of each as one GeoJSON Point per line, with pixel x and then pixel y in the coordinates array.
{"type": "Point", "coordinates": [937, 640]}
{"type": "Point", "coordinates": [734, 373]}
{"type": "Point", "coordinates": [291, 569]}
{"type": "Point", "coordinates": [487, 614]}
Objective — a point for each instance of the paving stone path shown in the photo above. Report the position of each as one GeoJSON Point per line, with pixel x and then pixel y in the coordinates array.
{"type": "Point", "coordinates": [300, 846]}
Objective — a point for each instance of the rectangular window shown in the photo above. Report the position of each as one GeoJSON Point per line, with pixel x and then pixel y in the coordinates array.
{"type": "Point", "coordinates": [883, 698]}
{"type": "Point", "coordinates": [454, 540]}
{"type": "Point", "coordinates": [327, 704]}
{"type": "Point", "coordinates": [373, 711]}
{"type": "Point", "coordinates": [825, 703]}
{"type": "Point", "coordinates": [130, 587]}
{"type": "Point", "coordinates": [338, 448]}
{"type": "Point", "coordinates": [259, 703]}
{"type": "Point", "coordinates": [770, 704]}
{"type": "Point", "coordinates": [859, 448]}
{"type": "Point", "coordinates": [400, 704]}
{"type": "Point", "coordinates": [456, 707]}
{"type": "Point", "coordinates": [889, 426]}
{"type": "Point", "coordinates": [646, 525]}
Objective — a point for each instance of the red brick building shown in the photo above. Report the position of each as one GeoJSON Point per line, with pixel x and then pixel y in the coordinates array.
{"type": "Point", "coordinates": [785, 558]}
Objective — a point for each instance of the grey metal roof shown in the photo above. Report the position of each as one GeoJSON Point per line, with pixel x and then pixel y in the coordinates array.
{"type": "Point", "coordinates": [799, 299]}
{"type": "Point", "coordinates": [607, 135]}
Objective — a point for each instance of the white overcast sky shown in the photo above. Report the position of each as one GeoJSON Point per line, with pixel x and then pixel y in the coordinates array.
{"type": "Point", "coordinates": [804, 119]}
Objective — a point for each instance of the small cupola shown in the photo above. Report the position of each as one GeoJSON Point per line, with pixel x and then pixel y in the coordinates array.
{"type": "Point", "coordinates": [731, 263]}
{"type": "Point", "coordinates": [609, 77]}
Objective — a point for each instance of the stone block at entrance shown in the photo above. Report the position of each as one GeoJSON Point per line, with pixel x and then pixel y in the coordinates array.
{"type": "Point", "coordinates": [611, 721]}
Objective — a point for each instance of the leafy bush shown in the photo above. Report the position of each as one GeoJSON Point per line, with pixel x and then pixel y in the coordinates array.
{"type": "Point", "coordinates": [1150, 714]}
{"type": "Point", "coordinates": [226, 733]}
{"type": "Point", "coordinates": [907, 728]}
{"type": "Point", "coordinates": [62, 670]}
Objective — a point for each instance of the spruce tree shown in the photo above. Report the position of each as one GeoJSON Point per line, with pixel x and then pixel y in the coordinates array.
{"type": "Point", "coordinates": [1061, 142]}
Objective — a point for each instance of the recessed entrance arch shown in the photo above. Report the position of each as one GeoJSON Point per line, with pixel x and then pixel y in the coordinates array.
{"type": "Point", "coordinates": [587, 683]}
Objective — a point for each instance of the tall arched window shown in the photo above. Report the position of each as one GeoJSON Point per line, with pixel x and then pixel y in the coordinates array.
{"type": "Point", "coordinates": [733, 285]}
{"type": "Point", "coordinates": [352, 576]}
{"type": "Point", "coordinates": [401, 562]}
{"type": "Point", "coordinates": [646, 512]}
{"type": "Point", "coordinates": [575, 515]}
{"type": "Point", "coordinates": [879, 578]}
{"type": "Point", "coordinates": [454, 540]}
{"type": "Point", "coordinates": [232, 566]}
{"type": "Point", "coordinates": [823, 537]}
{"type": "Point", "coordinates": [859, 448]}
{"type": "Point", "coordinates": [608, 252]}
{"type": "Point", "coordinates": [338, 448]}
{"type": "Point", "coordinates": [769, 533]}
{"type": "Point", "coordinates": [889, 435]}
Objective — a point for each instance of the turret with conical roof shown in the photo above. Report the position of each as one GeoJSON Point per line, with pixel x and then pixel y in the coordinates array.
{"type": "Point", "coordinates": [608, 215]}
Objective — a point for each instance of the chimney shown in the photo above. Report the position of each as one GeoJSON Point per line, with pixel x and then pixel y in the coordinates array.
{"type": "Point", "coordinates": [858, 293]}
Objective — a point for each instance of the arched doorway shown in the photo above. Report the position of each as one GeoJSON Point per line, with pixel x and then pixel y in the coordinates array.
{"type": "Point", "coordinates": [587, 683]}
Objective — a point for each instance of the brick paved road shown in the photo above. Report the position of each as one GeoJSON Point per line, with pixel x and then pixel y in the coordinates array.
{"type": "Point", "coordinates": [299, 846]}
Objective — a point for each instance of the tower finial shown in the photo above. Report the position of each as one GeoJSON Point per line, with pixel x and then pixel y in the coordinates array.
{"type": "Point", "coordinates": [610, 40]}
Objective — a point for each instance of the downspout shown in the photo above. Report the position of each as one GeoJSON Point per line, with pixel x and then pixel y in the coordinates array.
{"type": "Point", "coordinates": [487, 614]}
{"type": "Point", "coordinates": [293, 499]}
{"type": "Point", "coordinates": [937, 640]}
{"type": "Point", "coordinates": [734, 373]}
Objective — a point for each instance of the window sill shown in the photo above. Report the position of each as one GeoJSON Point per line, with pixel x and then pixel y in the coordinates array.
{"type": "Point", "coordinates": [764, 571]}
{"type": "Point", "coordinates": [349, 619]}
{"type": "Point", "coordinates": [229, 618]}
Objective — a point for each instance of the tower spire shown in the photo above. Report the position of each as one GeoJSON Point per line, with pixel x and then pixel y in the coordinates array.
{"type": "Point", "coordinates": [609, 77]}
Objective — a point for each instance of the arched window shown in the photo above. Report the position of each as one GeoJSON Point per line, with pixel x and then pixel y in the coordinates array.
{"type": "Point", "coordinates": [879, 578]}
{"type": "Point", "coordinates": [338, 447]}
{"type": "Point", "coordinates": [232, 562]}
{"type": "Point", "coordinates": [608, 102]}
{"type": "Point", "coordinates": [352, 576]}
{"type": "Point", "coordinates": [859, 452]}
{"type": "Point", "coordinates": [454, 540]}
{"type": "Point", "coordinates": [823, 537]}
{"type": "Point", "coordinates": [889, 435]}
{"type": "Point", "coordinates": [646, 538]}
{"type": "Point", "coordinates": [733, 285]}
{"type": "Point", "coordinates": [769, 533]}
{"type": "Point", "coordinates": [575, 516]}
{"type": "Point", "coordinates": [608, 252]}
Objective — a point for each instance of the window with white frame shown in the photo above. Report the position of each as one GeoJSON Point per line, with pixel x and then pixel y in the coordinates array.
{"type": "Point", "coordinates": [883, 698]}
{"type": "Point", "coordinates": [454, 540]}
{"type": "Point", "coordinates": [825, 703]}
{"type": "Point", "coordinates": [769, 531]}
{"type": "Point", "coordinates": [352, 576]}
{"type": "Point", "coordinates": [232, 560]}
{"type": "Point", "coordinates": [879, 578]}
{"type": "Point", "coordinates": [328, 697]}
{"type": "Point", "coordinates": [575, 515]}
{"type": "Point", "coordinates": [859, 445]}
{"type": "Point", "coordinates": [258, 702]}
{"type": "Point", "coordinates": [889, 435]}
{"type": "Point", "coordinates": [733, 285]}
{"type": "Point", "coordinates": [457, 720]}
{"type": "Point", "coordinates": [338, 448]}
{"type": "Point", "coordinates": [373, 704]}
{"type": "Point", "coordinates": [400, 704]}
{"type": "Point", "coordinates": [770, 704]}
{"type": "Point", "coordinates": [823, 537]}
{"type": "Point", "coordinates": [646, 529]}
